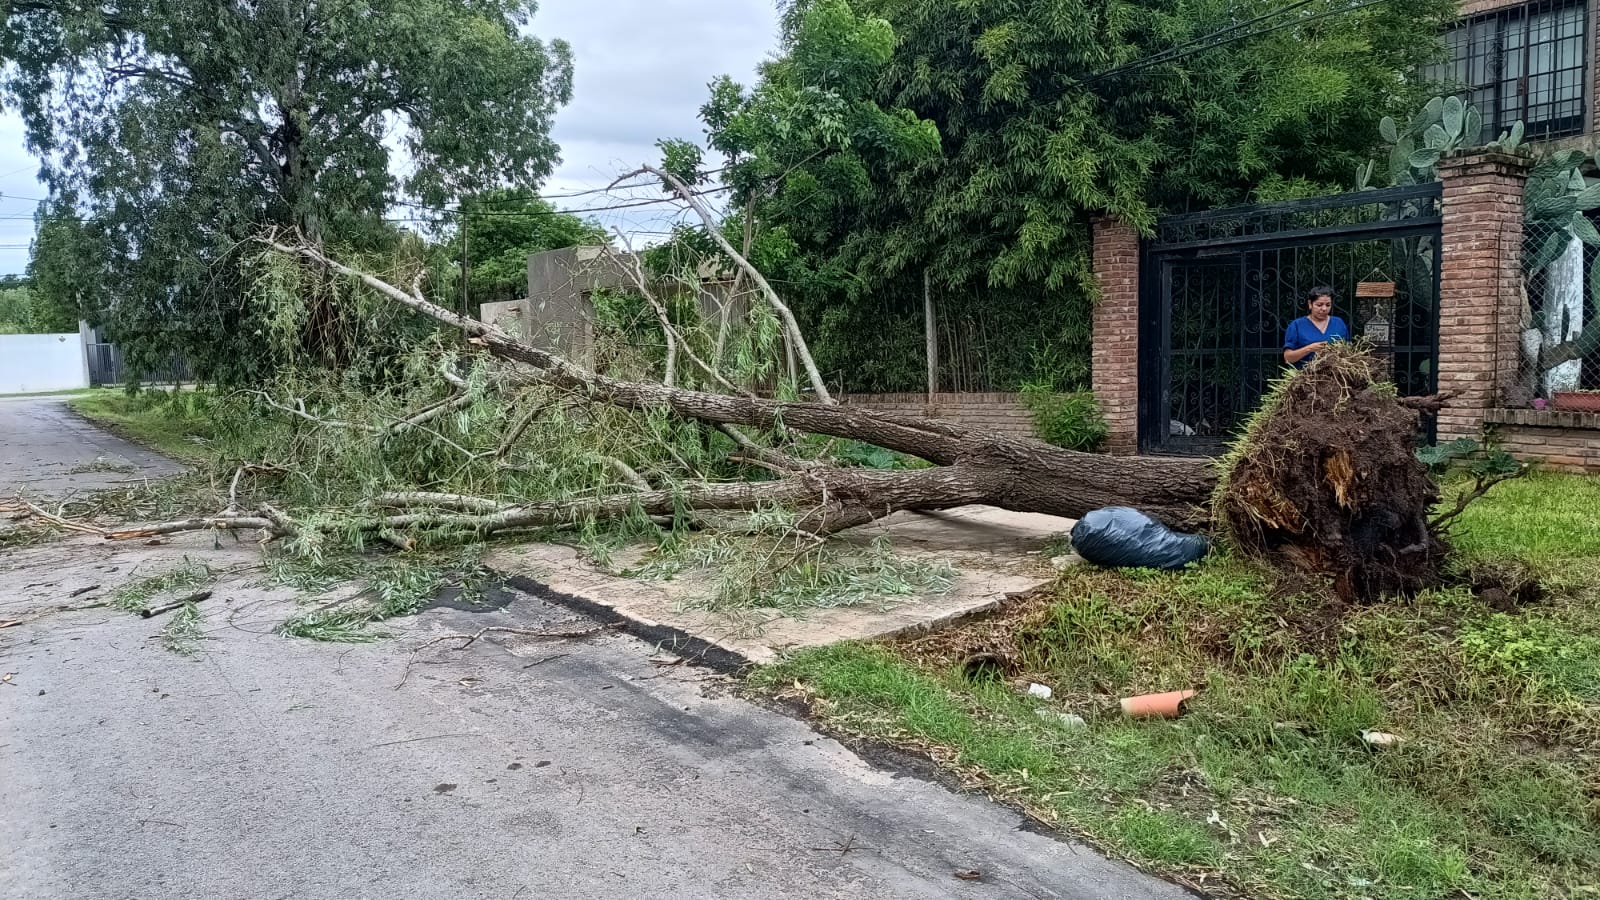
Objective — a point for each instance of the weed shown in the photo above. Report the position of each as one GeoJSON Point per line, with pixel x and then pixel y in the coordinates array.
{"type": "Point", "coordinates": [1547, 657]}
{"type": "Point", "coordinates": [1072, 421]}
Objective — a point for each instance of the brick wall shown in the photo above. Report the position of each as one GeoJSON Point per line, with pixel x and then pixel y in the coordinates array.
{"type": "Point", "coordinates": [1002, 413]}
{"type": "Point", "coordinates": [1479, 286]}
{"type": "Point", "coordinates": [1115, 358]}
{"type": "Point", "coordinates": [1563, 441]}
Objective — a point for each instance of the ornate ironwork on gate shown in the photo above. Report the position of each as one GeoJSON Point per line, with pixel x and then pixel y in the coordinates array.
{"type": "Point", "coordinates": [1220, 287]}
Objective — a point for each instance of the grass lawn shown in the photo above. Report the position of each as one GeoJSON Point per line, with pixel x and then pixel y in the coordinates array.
{"type": "Point", "coordinates": [173, 422]}
{"type": "Point", "coordinates": [1265, 787]}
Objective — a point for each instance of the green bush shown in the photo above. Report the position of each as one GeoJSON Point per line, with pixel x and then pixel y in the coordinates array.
{"type": "Point", "coordinates": [1071, 420]}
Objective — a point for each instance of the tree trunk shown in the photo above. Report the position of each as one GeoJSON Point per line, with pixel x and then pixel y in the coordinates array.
{"type": "Point", "coordinates": [974, 467]}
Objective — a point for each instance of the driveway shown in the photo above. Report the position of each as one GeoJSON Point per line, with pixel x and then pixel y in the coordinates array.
{"type": "Point", "coordinates": [513, 768]}
{"type": "Point", "coordinates": [46, 449]}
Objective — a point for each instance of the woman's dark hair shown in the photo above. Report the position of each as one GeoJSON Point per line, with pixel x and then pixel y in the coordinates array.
{"type": "Point", "coordinates": [1320, 290]}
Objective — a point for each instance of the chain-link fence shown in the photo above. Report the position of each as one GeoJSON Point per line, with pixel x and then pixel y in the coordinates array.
{"type": "Point", "coordinates": [1559, 329]}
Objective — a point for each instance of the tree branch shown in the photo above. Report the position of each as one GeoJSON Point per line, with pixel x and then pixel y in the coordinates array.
{"type": "Point", "coordinates": [785, 315]}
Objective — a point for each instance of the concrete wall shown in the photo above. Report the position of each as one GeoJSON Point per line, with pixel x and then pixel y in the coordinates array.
{"type": "Point", "coordinates": [36, 363]}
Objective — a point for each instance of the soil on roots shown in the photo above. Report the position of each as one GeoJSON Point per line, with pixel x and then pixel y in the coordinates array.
{"type": "Point", "coordinates": [1326, 481]}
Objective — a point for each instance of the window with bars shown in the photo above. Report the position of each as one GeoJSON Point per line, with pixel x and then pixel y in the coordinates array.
{"type": "Point", "coordinates": [1527, 62]}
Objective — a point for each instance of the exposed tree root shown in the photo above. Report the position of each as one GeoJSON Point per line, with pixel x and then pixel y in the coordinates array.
{"type": "Point", "coordinates": [1327, 481]}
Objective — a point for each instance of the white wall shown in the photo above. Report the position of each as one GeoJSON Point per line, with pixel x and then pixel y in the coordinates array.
{"type": "Point", "coordinates": [34, 363]}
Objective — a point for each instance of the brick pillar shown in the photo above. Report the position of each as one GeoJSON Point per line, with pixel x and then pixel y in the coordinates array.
{"type": "Point", "coordinates": [1480, 303]}
{"type": "Point", "coordinates": [1115, 357]}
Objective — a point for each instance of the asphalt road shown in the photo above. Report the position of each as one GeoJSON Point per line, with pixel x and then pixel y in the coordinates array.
{"type": "Point", "coordinates": [47, 450]}
{"type": "Point", "coordinates": [517, 768]}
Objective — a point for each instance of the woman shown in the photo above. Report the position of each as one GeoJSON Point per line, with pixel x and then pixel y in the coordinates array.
{"type": "Point", "coordinates": [1310, 333]}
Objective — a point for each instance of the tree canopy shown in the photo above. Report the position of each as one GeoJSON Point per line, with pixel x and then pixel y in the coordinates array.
{"type": "Point", "coordinates": [975, 141]}
{"type": "Point", "coordinates": [26, 311]}
{"type": "Point", "coordinates": [173, 130]}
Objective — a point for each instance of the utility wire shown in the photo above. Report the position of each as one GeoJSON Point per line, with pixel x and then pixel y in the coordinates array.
{"type": "Point", "coordinates": [1170, 56]}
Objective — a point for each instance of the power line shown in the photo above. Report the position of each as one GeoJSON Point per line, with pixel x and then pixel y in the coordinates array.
{"type": "Point", "coordinates": [1173, 51]}
{"type": "Point", "coordinates": [1170, 56]}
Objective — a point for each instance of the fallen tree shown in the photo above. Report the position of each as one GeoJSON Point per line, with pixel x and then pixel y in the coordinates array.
{"type": "Point", "coordinates": [968, 466]}
{"type": "Point", "coordinates": [1326, 481]}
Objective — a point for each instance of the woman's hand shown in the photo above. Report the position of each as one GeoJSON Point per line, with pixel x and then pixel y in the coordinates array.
{"type": "Point", "coordinates": [1293, 357]}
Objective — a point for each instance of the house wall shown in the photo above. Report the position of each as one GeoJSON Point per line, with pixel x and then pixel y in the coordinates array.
{"type": "Point", "coordinates": [1562, 441]}
{"type": "Point", "coordinates": [37, 363]}
{"type": "Point", "coordinates": [1587, 141]}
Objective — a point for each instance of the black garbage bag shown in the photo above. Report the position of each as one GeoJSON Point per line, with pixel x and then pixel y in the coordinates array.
{"type": "Point", "coordinates": [1120, 537]}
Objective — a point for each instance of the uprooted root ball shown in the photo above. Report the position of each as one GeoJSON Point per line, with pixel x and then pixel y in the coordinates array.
{"type": "Point", "coordinates": [1326, 481]}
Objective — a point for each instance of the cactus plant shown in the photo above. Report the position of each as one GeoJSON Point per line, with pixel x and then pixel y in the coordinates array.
{"type": "Point", "coordinates": [1444, 126]}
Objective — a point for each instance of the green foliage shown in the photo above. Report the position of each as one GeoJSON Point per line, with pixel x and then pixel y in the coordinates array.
{"type": "Point", "coordinates": [182, 634]}
{"type": "Point", "coordinates": [975, 141]}
{"type": "Point", "coordinates": [503, 227]}
{"type": "Point", "coordinates": [1072, 421]}
{"type": "Point", "coordinates": [136, 596]}
{"type": "Point", "coordinates": [1444, 126]}
{"type": "Point", "coordinates": [24, 310]}
{"type": "Point", "coordinates": [1478, 460]}
{"type": "Point", "coordinates": [173, 132]}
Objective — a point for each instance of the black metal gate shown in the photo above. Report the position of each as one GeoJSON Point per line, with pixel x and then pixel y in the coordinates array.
{"type": "Point", "coordinates": [106, 367]}
{"type": "Point", "coordinates": [1220, 287]}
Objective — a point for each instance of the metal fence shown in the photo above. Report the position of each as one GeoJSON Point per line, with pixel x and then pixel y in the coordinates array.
{"type": "Point", "coordinates": [1559, 329]}
{"type": "Point", "coordinates": [106, 367]}
{"type": "Point", "coordinates": [1218, 289]}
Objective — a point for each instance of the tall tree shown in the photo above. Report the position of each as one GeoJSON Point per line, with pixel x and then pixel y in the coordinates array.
{"type": "Point", "coordinates": [180, 127]}
{"type": "Point", "coordinates": [975, 141]}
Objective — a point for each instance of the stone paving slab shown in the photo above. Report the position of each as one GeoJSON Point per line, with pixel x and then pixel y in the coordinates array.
{"type": "Point", "coordinates": [994, 552]}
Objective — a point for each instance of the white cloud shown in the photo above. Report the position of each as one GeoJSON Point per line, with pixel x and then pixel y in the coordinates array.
{"type": "Point", "coordinates": [642, 70]}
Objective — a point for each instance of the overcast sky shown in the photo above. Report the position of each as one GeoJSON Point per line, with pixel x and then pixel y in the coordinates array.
{"type": "Point", "coordinates": [642, 70]}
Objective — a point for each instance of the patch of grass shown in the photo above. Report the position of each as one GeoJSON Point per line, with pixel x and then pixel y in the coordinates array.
{"type": "Point", "coordinates": [1548, 521]}
{"type": "Point", "coordinates": [176, 423]}
{"type": "Point", "coordinates": [135, 596]}
{"type": "Point", "coordinates": [1160, 836]}
{"type": "Point", "coordinates": [181, 634]}
{"type": "Point", "coordinates": [776, 569]}
{"type": "Point", "coordinates": [1266, 785]}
